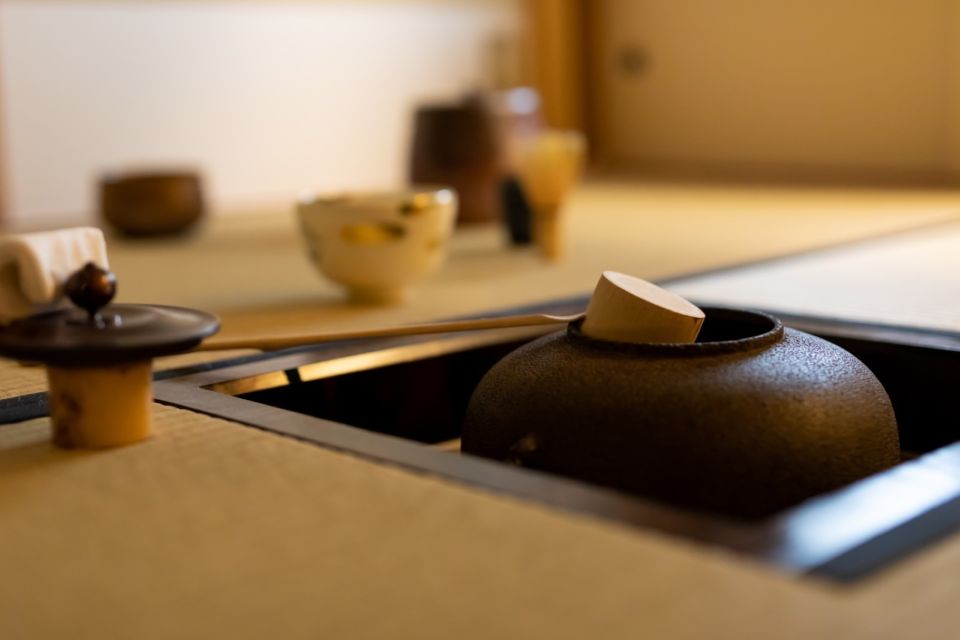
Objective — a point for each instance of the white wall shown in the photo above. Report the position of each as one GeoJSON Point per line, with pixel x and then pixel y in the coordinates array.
{"type": "Point", "coordinates": [269, 99]}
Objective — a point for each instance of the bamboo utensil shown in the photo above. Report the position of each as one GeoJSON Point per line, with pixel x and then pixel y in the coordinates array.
{"type": "Point", "coordinates": [627, 309]}
{"type": "Point", "coordinates": [268, 343]}
{"type": "Point", "coordinates": [549, 163]}
{"type": "Point", "coordinates": [622, 308]}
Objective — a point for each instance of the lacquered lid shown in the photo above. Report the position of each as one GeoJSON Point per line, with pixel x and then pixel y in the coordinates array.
{"type": "Point", "coordinates": [120, 333]}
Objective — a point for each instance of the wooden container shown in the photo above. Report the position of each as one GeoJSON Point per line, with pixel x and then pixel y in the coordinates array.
{"type": "Point", "coordinates": [151, 204]}
{"type": "Point", "coordinates": [458, 145]}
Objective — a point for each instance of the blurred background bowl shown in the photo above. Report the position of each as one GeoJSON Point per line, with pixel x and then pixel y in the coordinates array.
{"type": "Point", "coordinates": [151, 203]}
{"type": "Point", "coordinates": [377, 244]}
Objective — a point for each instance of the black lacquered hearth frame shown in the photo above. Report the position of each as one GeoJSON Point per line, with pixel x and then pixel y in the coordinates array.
{"type": "Point", "coordinates": [841, 536]}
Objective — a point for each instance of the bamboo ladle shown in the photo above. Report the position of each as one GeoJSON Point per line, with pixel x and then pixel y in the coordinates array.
{"type": "Point", "coordinates": [622, 308]}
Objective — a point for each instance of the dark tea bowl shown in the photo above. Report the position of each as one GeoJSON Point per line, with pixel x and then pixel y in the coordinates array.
{"type": "Point", "coordinates": [151, 203]}
{"type": "Point", "coordinates": [750, 419]}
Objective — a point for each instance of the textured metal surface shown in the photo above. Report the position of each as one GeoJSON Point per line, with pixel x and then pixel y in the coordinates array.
{"type": "Point", "coordinates": [742, 426]}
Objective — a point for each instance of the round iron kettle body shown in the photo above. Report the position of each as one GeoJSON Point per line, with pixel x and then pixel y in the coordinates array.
{"type": "Point", "coordinates": [750, 419]}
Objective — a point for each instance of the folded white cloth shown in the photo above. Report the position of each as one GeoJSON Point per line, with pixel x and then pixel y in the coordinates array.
{"type": "Point", "coordinates": [34, 266]}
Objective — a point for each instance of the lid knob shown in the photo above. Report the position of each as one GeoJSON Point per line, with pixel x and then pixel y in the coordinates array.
{"type": "Point", "coordinates": [91, 288]}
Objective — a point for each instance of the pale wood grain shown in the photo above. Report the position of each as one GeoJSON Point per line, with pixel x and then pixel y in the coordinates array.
{"type": "Point", "coordinates": [627, 309]}
{"type": "Point", "coordinates": [265, 343]}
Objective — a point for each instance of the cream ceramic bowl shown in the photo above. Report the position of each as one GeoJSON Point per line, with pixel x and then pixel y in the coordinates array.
{"type": "Point", "coordinates": [377, 244]}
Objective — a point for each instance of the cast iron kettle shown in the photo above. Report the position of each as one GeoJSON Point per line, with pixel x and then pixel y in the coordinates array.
{"type": "Point", "coordinates": [750, 419]}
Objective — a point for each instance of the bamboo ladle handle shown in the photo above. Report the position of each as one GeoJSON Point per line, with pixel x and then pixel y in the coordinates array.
{"type": "Point", "coordinates": [622, 308]}
{"type": "Point", "coordinates": [269, 343]}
